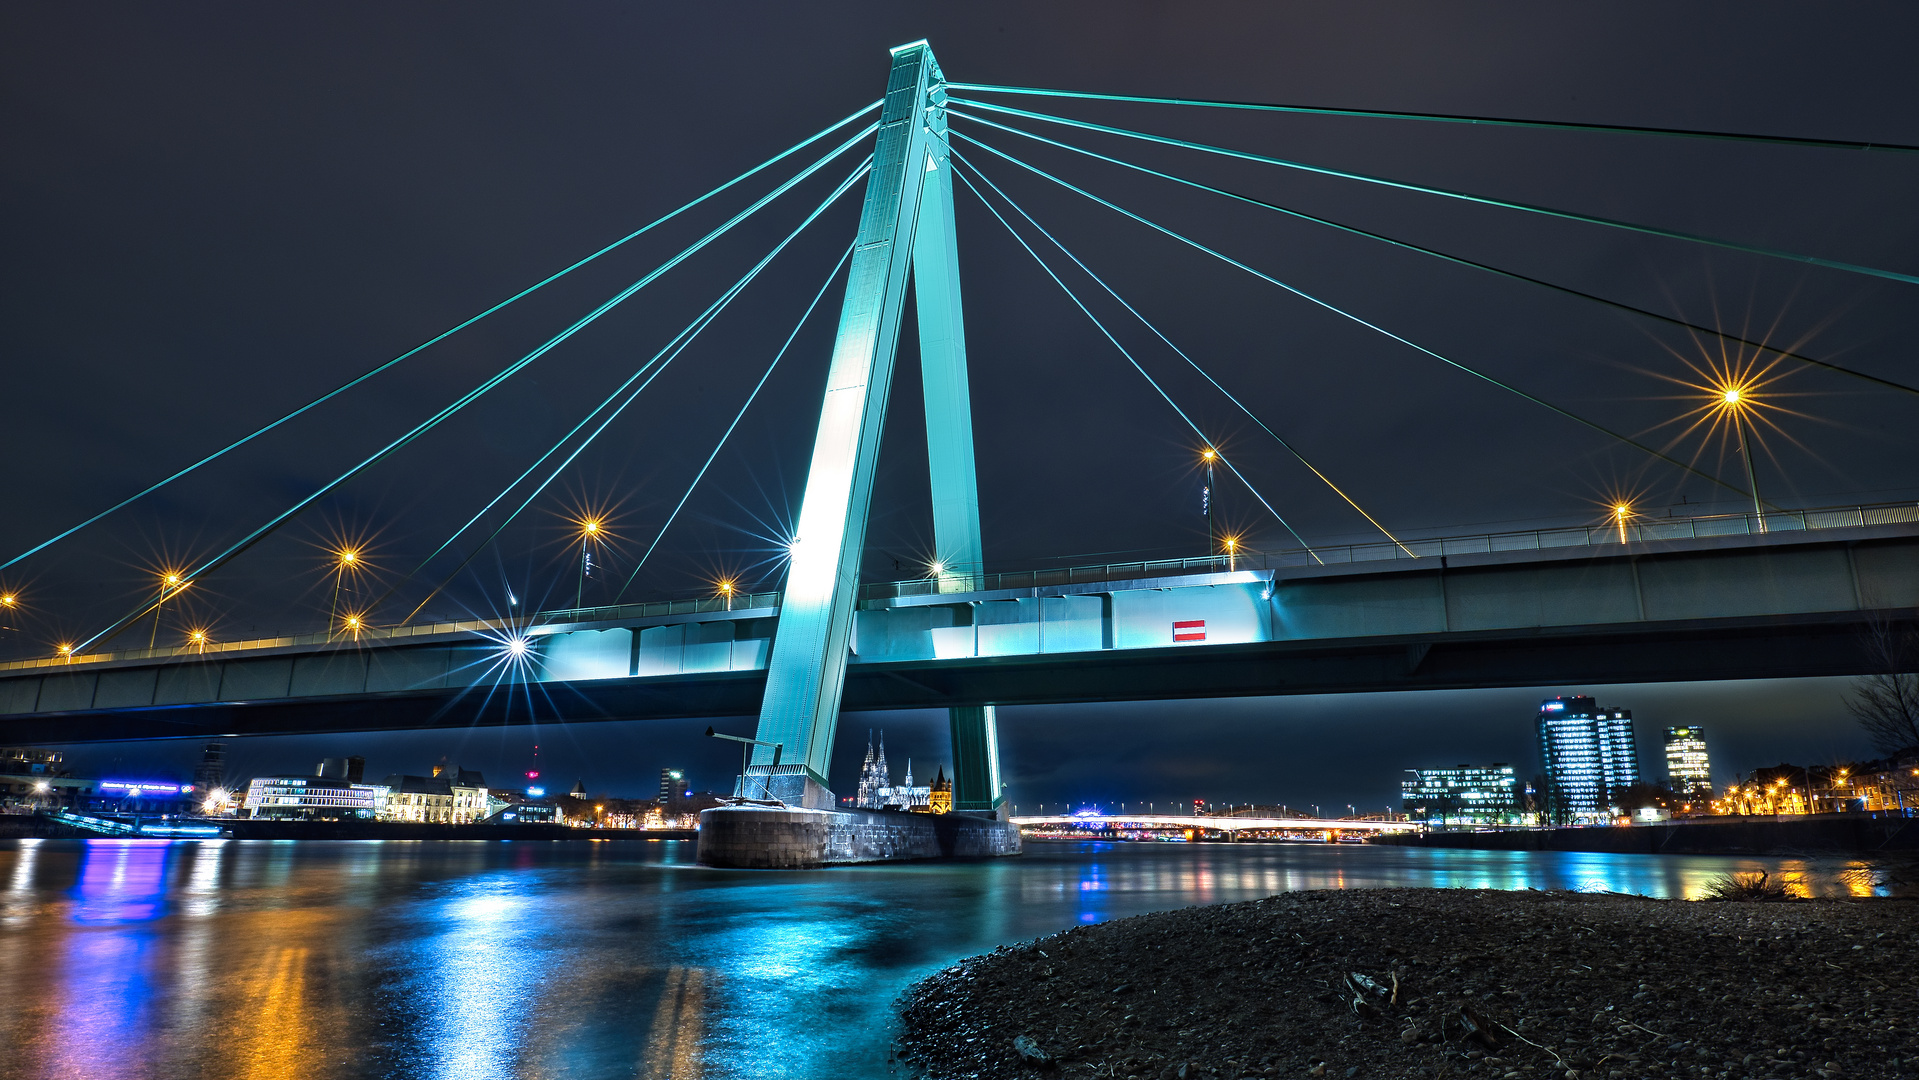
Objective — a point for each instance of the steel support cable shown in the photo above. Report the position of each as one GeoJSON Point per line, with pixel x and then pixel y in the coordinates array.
{"type": "Point", "coordinates": [741, 415]}
{"type": "Point", "coordinates": [1229, 260]}
{"type": "Point", "coordinates": [1356, 231]}
{"type": "Point", "coordinates": [1484, 200]}
{"type": "Point", "coordinates": [1194, 364]}
{"type": "Point", "coordinates": [671, 352]}
{"type": "Point", "coordinates": [436, 339]}
{"type": "Point", "coordinates": [472, 395]}
{"type": "Point", "coordinates": [1154, 383]}
{"type": "Point", "coordinates": [1449, 118]}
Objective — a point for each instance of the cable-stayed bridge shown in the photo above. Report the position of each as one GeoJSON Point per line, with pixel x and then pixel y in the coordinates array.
{"type": "Point", "coordinates": [1770, 591]}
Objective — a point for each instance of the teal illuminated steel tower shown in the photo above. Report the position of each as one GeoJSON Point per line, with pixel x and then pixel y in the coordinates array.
{"type": "Point", "coordinates": [906, 226]}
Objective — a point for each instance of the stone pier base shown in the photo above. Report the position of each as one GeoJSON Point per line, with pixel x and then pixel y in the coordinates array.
{"type": "Point", "coordinates": [769, 838]}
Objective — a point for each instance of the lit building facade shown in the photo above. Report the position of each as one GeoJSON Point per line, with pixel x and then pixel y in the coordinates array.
{"type": "Point", "coordinates": [1463, 795]}
{"type": "Point", "coordinates": [907, 795]}
{"type": "Point", "coordinates": [1688, 770]}
{"type": "Point", "coordinates": [38, 779]}
{"type": "Point", "coordinates": [1588, 752]}
{"type": "Point", "coordinates": [673, 791]}
{"type": "Point", "coordinates": [940, 798]}
{"type": "Point", "coordinates": [876, 790]}
{"type": "Point", "coordinates": [874, 776]}
{"type": "Point", "coordinates": [453, 796]}
{"type": "Point", "coordinates": [313, 798]}
{"type": "Point", "coordinates": [210, 775]}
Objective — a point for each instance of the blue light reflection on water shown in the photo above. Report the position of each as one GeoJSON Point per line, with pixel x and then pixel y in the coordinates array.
{"type": "Point", "coordinates": [121, 881]}
{"type": "Point", "coordinates": [472, 960]}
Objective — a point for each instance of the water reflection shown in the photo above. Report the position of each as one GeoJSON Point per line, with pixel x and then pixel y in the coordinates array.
{"type": "Point", "coordinates": [469, 960]}
{"type": "Point", "coordinates": [672, 1050]}
{"type": "Point", "coordinates": [121, 881]}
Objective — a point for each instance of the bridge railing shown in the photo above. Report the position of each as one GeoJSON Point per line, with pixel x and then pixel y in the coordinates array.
{"type": "Point", "coordinates": [1594, 536]}
{"type": "Point", "coordinates": [654, 608]}
{"type": "Point", "coordinates": [483, 627]}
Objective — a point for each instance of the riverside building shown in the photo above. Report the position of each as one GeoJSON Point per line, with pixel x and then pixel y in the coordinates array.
{"type": "Point", "coordinates": [1463, 795]}
{"type": "Point", "coordinates": [1688, 771]}
{"type": "Point", "coordinates": [452, 796]}
{"type": "Point", "coordinates": [313, 798]}
{"type": "Point", "coordinates": [1588, 753]}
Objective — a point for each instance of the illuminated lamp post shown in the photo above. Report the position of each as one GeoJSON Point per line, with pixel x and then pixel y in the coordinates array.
{"type": "Point", "coordinates": [589, 535]}
{"type": "Point", "coordinates": [170, 584]}
{"type": "Point", "coordinates": [1735, 401]}
{"type": "Point", "coordinates": [1206, 499]}
{"type": "Point", "coordinates": [344, 561]}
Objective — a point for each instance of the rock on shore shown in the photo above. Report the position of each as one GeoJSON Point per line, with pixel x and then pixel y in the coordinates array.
{"type": "Point", "coordinates": [1437, 983]}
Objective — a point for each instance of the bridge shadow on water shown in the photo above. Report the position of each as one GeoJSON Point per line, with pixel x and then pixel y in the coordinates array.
{"type": "Point", "coordinates": [322, 959]}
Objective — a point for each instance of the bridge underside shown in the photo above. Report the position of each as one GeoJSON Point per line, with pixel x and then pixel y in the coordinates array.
{"type": "Point", "coordinates": [1788, 646]}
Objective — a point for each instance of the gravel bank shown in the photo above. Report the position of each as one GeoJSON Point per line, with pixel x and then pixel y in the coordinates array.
{"type": "Point", "coordinates": [1437, 983]}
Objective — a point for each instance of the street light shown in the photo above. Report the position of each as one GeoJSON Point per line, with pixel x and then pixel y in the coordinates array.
{"type": "Point", "coordinates": [1734, 401]}
{"type": "Point", "coordinates": [1622, 513]}
{"type": "Point", "coordinates": [1206, 496]}
{"type": "Point", "coordinates": [590, 531]}
{"type": "Point", "coordinates": [170, 584]}
{"type": "Point", "coordinates": [346, 560]}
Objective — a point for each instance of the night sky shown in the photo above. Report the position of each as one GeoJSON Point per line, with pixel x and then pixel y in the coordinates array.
{"type": "Point", "coordinates": [216, 213]}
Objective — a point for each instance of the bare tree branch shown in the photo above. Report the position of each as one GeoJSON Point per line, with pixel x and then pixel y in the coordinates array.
{"type": "Point", "coordinates": [1886, 703]}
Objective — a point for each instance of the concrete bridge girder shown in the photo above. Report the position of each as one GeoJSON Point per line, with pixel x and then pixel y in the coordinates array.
{"type": "Point", "coordinates": [1706, 609]}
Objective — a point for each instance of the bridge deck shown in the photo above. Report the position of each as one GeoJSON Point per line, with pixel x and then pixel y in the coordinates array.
{"type": "Point", "coordinates": [1741, 606]}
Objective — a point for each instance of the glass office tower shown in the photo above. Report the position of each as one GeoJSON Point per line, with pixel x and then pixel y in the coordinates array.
{"type": "Point", "coordinates": [1688, 772]}
{"type": "Point", "coordinates": [1588, 753]}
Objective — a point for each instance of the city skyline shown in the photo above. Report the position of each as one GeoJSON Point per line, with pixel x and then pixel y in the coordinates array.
{"type": "Point", "coordinates": [1300, 742]}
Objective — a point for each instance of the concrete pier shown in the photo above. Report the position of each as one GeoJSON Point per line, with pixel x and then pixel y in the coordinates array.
{"type": "Point", "coordinates": [771, 838]}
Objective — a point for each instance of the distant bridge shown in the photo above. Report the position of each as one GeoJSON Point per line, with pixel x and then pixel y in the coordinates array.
{"type": "Point", "coordinates": [1558, 608]}
{"type": "Point", "coordinates": [1219, 824]}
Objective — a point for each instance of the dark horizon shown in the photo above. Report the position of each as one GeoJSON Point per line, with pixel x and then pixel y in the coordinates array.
{"type": "Point", "coordinates": [1330, 749]}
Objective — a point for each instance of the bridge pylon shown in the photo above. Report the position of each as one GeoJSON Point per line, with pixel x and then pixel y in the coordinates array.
{"type": "Point", "coordinates": [906, 227]}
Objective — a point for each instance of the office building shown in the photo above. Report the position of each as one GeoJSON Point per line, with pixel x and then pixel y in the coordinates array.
{"type": "Point", "coordinates": [350, 769]}
{"type": "Point", "coordinates": [317, 798]}
{"type": "Point", "coordinates": [211, 774]}
{"type": "Point", "coordinates": [1462, 795]}
{"type": "Point", "coordinates": [673, 789]}
{"type": "Point", "coordinates": [31, 762]}
{"type": "Point", "coordinates": [1588, 753]}
{"type": "Point", "coordinates": [1688, 772]}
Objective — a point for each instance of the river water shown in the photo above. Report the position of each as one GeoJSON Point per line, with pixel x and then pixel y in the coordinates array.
{"type": "Point", "coordinates": [471, 960]}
